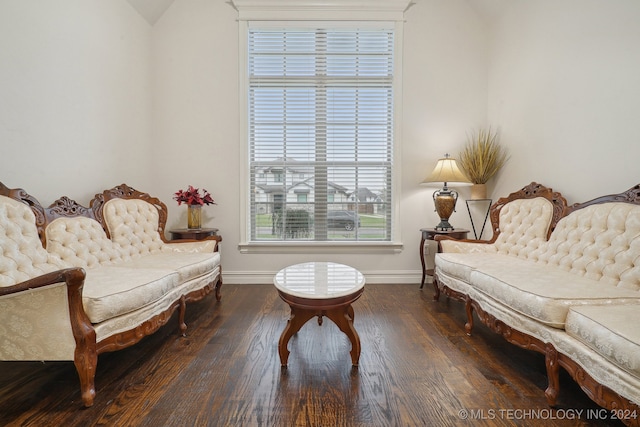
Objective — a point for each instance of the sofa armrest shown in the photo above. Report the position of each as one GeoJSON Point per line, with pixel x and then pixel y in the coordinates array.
{"type": "Point", "coordinates": [193, 246]}
{"type": "Point", "coordinates": [46, 317]}
{"type": "Point", "coordinates": [208, 244]}
{"type": "Point", "coordinates": [449, 244]}
{"type": "Point", "coordinates": [66, 275]}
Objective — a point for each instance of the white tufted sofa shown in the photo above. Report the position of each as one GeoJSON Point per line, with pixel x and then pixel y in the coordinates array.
{"type": "Point", "coordinates": [521, 222]}
{"type": "Point", "coordinates": [575, 297]}
{"type": "Point", "coordinates": [106, 279]}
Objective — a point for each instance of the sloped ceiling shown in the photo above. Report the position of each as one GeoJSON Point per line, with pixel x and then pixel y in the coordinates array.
{"type": "Point", "coordinates": [489, 10]}
{"type": "Point", "coordinates": [151, 10]}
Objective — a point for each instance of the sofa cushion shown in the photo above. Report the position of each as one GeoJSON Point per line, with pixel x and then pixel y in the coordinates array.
{"type": "Point", "coordinates": [111, 291]}
{"type": "Point", "coordinates": [187, 265]}
{"type": "Point", "coordinates": [22, 256]}
{"type": "Point", "coordinates": [609, 331]}
{"type": "Point", "coordinates": [543, 292]}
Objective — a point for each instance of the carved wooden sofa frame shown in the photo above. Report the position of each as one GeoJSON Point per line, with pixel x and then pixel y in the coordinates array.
{"type": "Point", "coordinates": [87, 348]}
{"type": "Point", "coordinates": [599, 393]}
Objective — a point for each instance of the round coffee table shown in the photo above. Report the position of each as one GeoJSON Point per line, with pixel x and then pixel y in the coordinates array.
{"type": "Point", "coordinates": [319, 289]}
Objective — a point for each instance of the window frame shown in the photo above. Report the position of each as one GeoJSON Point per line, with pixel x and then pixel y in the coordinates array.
{"type": "Point", "coordinates": [393, 245]}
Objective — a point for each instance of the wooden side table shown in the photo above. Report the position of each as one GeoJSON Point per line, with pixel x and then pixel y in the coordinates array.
{"type": "Point", "coordinates": [430, 234]}
{"type": "Point", "coordinates": [192, 233]}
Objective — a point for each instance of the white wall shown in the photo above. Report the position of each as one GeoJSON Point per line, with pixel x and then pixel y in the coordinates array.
{"type": "Point", "coordinates": [91, 96]}
{"type": "Point", "coordinates": [564, 87]}
{"type": "Point", "coordinates": [75, 103]}
{"type": "Point", "coordinates": [195, 87]}
{"type": "Point", "coordinates": [196, 122]}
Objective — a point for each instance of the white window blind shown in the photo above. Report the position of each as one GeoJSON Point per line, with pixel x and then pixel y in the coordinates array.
{"type": "Point", "coordinates": [320, 125]}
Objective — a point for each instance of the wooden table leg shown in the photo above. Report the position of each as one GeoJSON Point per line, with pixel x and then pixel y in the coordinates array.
{"type": "Point", "coordinates": [424, 269]}
{"type": "Point", "coordinates": [297, 319]}
{"type": "Point", "coordinates": [343, 318]}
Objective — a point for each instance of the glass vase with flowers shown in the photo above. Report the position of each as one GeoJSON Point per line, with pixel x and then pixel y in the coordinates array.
{"type": "Point", "coordinates": [194, 199]}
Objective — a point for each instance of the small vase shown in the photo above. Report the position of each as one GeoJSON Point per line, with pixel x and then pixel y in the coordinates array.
{"type": "Point", "coordinates": [194, 216]}
{"type": "Point", "coordinates": [478, 191]}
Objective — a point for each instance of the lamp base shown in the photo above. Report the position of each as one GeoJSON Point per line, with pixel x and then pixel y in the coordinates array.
{"type": "Point", "coordinates": [444, 226]}
{"type": "Point", "coordinates": [445, 203]}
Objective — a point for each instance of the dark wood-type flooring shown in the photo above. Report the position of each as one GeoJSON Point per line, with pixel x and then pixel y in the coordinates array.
{"type": "Point", "coordinates": [417, 368]}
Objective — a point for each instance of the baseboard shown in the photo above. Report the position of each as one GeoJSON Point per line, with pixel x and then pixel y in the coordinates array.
{"type": "Point", "coordinates": [412, 277]}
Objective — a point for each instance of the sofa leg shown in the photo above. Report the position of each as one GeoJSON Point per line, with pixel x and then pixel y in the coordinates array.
{"type": "Point", "coordinates": [218, 288]}
{"type": "Point", "coordinates": [553, 374]}
{"type": "Point", "coordinates": [86, 363]}
{"type": "Point", "coordinates": [436, 288]}
{"type": "Point", "coordinates": [469, 309]}
{"type": "Point", "coordinates": [181, 314]}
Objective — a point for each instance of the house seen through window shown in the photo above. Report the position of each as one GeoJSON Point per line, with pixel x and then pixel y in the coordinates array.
{"type": "Point", "coordinates": [320, 124]}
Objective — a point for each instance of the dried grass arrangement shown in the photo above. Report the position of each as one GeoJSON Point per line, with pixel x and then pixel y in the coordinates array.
{"type": "Point", "coordinates": [482, 157]}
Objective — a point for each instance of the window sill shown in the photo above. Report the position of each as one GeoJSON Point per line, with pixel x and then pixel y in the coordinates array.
{"type": "Point", "coordinates": [320, 247]}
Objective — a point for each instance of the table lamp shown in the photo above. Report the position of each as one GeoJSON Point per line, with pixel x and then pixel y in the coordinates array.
{"type": "Point", "coordinates": [446, 171]}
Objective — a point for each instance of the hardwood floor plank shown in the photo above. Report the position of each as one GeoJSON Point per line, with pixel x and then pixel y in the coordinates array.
{"type": "Point", "coordinates": [417, 368]}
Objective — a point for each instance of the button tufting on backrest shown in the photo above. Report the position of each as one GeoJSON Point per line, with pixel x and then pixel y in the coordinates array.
{"type": "Point", "coordinates": [81, 241]}
{"type": "Point", "coordinates": [133, 224]}
{"type": "Point", "coordinates": [598, 242]}
{"type": "Point", "coordinates": [523, 226]}
{"type": "Point", "coordinates": [21, 253]}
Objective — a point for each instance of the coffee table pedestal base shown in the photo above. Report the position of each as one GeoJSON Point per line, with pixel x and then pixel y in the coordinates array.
{"type": "Point", "coordinates": [339, 310]}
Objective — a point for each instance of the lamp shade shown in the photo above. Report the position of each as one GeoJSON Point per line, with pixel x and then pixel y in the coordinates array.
{"type": "Point", "coordinates": [446, 171]}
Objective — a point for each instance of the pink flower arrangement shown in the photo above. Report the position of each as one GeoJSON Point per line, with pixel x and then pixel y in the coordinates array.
{"type": "Point", "coordinates": [193, 197]}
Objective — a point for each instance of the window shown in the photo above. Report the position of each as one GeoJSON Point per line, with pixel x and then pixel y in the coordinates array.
{"type": "Point", "coordinates": [320, 112]}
